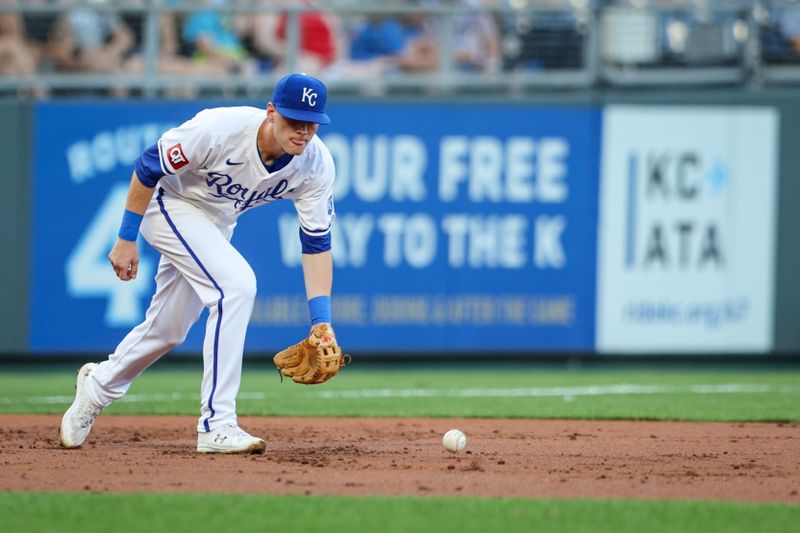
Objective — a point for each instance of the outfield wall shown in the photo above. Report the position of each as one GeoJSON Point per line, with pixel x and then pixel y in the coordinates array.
{"type": "Point", "coordinates": [15, 202]}
{"type": "Point", "coordinates": [594, 224]}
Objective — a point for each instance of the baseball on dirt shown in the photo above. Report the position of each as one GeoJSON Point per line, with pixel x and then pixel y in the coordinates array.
{"type": "Point", "coordinates": [454, 440]}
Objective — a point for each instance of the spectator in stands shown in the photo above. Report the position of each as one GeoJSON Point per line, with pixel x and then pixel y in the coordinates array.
{"type": "Point", "coordinates": [381, 44]}
{"type": "Point", "coordinates": [90, 40]}
{"type": "Point", "coordinates": [420, 51]}
{"type": "Point", "coordinates": [779, 34]}
{"type": "Point", "coordinates": [789, 26]}
{"type": "Point", "coordinates": [38, 27]}
{"type": "Point", "coordinates": [374, 44]}
{"type": "Point", "coordinates": [172, 59]}
{"type": "Point", "coordinates": [211, 36]}
{"type": "Point", "coordinates": [410, 43]}
{"type": "Point", "coordinates": [17, 55]}
{"type": "Point", "coordinates": [476, 40]}
{"type": "Point", "coordinates": [377, 37]}
{"type": "Point", "coordinates": [266, 33]}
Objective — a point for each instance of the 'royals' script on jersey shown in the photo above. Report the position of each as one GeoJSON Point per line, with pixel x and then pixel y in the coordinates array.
{"type": "Point", "coordinates": [213, 162]}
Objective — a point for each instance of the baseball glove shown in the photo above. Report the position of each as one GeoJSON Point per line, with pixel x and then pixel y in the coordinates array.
{"type": "Point", "coordinates": [315, 359]}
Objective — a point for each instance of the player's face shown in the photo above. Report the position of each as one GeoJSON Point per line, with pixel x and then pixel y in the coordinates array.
{"type": "Point", "coordinates": [293, 135]}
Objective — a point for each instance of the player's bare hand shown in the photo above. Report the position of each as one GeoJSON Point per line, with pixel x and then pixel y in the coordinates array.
{"type": "Point", "coordinates": [124, 259]}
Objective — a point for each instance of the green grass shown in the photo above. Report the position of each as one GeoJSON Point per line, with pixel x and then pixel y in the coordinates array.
{"type": "Point", "coordinates": [508, 391]}
{"type": "Point", "coordinates": [513, 391]}
{"type": "Point", "coordinates": [174, 513]}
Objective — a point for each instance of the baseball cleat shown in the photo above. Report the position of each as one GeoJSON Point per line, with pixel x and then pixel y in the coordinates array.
{"type": "Point", "coordinates": [77, 421]}
{"type": "Point", "coordinates": [229, 438]}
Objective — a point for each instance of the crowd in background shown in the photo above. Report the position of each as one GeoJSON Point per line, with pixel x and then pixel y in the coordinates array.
{"type": "Point", "coordinates": [220, 42]}
{"type": "Point", "coordinates": [216, 42]}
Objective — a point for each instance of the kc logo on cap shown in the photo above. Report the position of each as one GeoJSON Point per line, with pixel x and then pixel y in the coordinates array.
{"type": "Point", "coordinates": [311, 95]}
{"type": "Point", "coordinates": [301, 97]}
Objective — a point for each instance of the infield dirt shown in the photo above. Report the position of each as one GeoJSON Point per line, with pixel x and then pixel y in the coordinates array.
{"type": "Point", "coordinates": [757, 462]}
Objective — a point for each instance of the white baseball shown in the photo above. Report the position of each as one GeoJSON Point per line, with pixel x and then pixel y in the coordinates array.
{"type": "Point", "coordinates": [454, 440]}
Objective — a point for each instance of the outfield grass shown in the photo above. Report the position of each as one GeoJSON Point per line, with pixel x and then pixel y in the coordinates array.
{"type": "Point", "coordinates": [515, 392]}
{"type": "Point", "coordinates": [174, 513]}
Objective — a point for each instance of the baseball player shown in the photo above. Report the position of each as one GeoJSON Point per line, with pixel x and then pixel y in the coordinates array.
{"type": "Point", "coordinates": [185, 195]}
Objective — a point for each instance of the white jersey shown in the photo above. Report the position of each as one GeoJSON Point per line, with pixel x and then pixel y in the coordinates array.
{"type": "Point", "coordinates": [212, 161]}
{"type": "Point", "coordinates": [207, 172]}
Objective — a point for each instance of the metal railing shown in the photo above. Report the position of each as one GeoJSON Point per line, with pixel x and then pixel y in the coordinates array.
{"type": "Point", "coordinates": [573, 44]}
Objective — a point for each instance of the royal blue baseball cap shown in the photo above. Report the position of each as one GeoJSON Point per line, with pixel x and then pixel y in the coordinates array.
{"type": "Point", "coordinates": [301, 97]}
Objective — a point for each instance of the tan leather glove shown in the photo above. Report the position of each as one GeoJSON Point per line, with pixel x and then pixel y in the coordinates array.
{"type": "Point", "coordinates": [316, 359]}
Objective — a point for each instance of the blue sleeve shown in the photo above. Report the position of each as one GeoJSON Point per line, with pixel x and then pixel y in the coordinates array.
{"type": "Point", "coordinates": [148, 167]}
{"type": "Point", "coordinates": [376, 40]}
{"type": "Point", "coordinates": [315, 244]}
{"type": "Point", "coordinates": [393, 38]}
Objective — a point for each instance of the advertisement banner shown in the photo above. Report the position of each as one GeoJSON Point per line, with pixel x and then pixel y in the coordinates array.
{"type": "Point", "coordinates": [687, 229]}
{"type": "Point", "coordinates": [83, 155]}
{"type": "Point", "coordinates": [459, 228]}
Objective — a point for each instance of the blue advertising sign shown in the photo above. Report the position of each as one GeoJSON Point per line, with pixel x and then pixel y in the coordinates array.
{"type": "Point", "coordinates": [459, 228]}
{"type": "Point", "coordinates": [83, 155]}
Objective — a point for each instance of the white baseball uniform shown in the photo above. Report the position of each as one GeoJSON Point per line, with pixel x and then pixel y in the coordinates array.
{"type": "Point", "coordinates": [212, 173]}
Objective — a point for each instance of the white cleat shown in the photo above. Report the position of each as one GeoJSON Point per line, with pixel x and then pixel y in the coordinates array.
{"type": "Point", "coordinates": [229, 438]}
{"type": "Point", "coordinates": [77, 421]}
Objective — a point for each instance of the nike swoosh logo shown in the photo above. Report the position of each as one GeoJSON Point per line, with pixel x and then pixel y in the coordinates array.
{"type": "Point", "coordinates": [232, 163]}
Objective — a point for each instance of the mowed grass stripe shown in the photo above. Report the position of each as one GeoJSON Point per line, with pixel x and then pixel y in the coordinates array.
{"type": "Point", "coordinates": [536, 392]}
{"type": "Point", "coordinates": [175, 513]}
{"type": "Point", "coordinates": [518, 393]}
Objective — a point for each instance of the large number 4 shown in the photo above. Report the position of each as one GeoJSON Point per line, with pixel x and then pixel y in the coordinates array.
{"type": "Point", "coordinates": [89, 273]}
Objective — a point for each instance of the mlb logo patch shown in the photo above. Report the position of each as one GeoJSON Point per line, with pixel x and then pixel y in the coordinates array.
{"type": "Point", "coordinates": [176, 156]}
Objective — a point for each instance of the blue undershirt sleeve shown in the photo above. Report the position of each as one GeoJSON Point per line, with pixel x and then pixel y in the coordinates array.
{"type": "Point", "coordinates": [315, 244]}
{"type": "Point", "coordinates": [148, 167]}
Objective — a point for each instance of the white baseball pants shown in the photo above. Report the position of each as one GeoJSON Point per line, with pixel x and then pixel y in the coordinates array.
{"type": "Point", "coordinates": [198, 268]}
